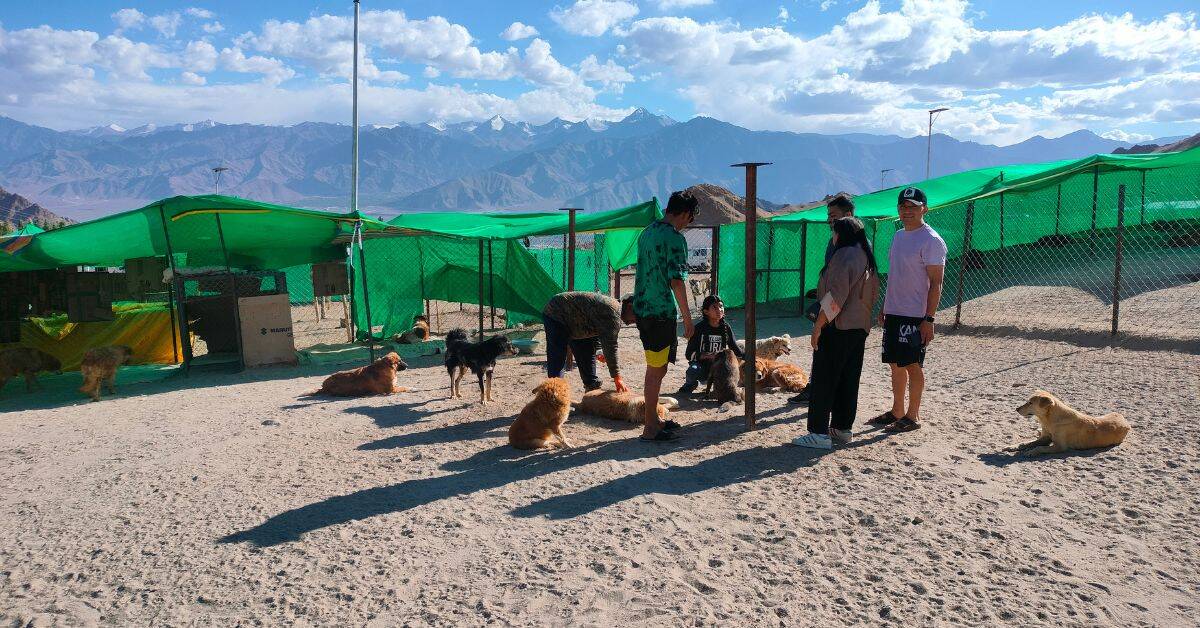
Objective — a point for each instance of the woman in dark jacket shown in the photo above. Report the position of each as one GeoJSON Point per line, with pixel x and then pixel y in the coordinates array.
{"type": "Point", "coordinates": [847, 290]}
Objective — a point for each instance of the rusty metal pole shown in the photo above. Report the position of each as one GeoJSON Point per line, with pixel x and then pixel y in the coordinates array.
{"type": "Point", "coordinates": [480, 299]}
{"type": "Point", "coordinates": [968, 225]}
{"type": "Point", "coordinates": [803, 264]}
{"type": "Point", "coordinates": [751, 284]}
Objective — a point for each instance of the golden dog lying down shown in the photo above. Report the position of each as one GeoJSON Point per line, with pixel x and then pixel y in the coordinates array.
{"type": "Point", "coordinates": [542, 418]}
{"type": "Point", "coordinates": [1064, 428]}
{"type": "Point", "coordinates": [621, 406]}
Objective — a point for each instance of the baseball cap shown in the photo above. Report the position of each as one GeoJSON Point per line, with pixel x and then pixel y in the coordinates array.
{"type": "Point", "coordinates": [911, 194]}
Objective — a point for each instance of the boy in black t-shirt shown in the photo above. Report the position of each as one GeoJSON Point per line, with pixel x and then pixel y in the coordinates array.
{"type": "Point", "coordinates": [713, 335]}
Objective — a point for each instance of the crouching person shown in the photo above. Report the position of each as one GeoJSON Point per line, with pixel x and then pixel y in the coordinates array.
{"type": "Point", "coordinates": [581, 320]}
{"type": "Point", "coordinates": [712, 336]}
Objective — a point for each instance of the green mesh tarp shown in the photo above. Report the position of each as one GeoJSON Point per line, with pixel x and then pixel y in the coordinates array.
{"type": "Point", "coordinates": [255, 235]}
{"type": "Point", "coordinates": [510, 226]}
{"type": "Point", "coordinates": [1011, 206]}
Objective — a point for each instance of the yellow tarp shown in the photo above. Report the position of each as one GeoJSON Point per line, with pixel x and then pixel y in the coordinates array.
{"type": "Point", "coordinates": [148, 333]}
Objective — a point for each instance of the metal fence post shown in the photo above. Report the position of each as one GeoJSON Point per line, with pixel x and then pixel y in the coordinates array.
{"type": "Point", "coordinates": [172, 298]}
{"type": "Point", "coordinates": [491, 284]}
{"type": "Point", "coordinates": [1095, 197]}
{"type": "Point", "coordinates": [962, 260]}
{"type": "Point", "coordinates": [362, 264]}
{"type": "Point", "coordinates": [803, 264]}
{"type": "Point", "coordinates": [237, 295]}
{"type": "Point", "coordinates": [1116, 312]}
{"type": "Point", "coordinates": [1002, 226]}
{"type": "Point", "coordinates": [715, 254]}
{"type": "Point", "coordinates": [480, 300]}
{"type": "Point", "coordinates": [770, 254]}
{"type": "Point", "coordinates": [751, 287]}
{"type": "Point", "coordinates": [1058, 210]}
{"type": "Point", "coordinates": [1142, 217]}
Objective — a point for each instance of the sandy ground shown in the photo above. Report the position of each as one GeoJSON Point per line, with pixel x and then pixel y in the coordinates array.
{"type": "Point", "coordinates": [229, 498]}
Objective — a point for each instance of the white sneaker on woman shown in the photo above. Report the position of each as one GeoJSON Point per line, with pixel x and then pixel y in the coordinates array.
{"type": "Point", "coordinates": [841, 437]}
{"type": "Point", "coordinates": [813, 441]}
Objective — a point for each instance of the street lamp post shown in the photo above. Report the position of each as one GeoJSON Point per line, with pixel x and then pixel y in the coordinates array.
{"type": "Point", "coordinates": [217, 178]}
{"type": "Point", "coordinates": [883, 177]}
{"type": "Point", "coordinates": [929, 144]}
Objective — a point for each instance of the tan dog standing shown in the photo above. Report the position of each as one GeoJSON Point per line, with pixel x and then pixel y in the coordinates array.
{"type": "Point", "coordinates": [99, 368]}
{"type": "Point", "coordinates": [1064, 428]}
{"type": "Point", "coordinates": [542, 418]}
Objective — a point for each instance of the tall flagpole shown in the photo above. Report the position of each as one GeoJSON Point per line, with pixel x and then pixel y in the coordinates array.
{"type": "Point", "coordinates": [354, 164]}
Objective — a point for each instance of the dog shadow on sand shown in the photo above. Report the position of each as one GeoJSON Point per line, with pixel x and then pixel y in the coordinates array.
{"type": "Point", "coordinates": [1006, 458]}
{"type": "Point", "coordinates": [502, 465]}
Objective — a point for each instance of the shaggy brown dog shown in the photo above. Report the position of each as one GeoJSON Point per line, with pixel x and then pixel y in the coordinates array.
{"type": "Point", "coordinates": [28, 362]}
{"type": "Point", "coordinates": [418, 333]}
{"type": "Point", "coordinates": [621, 406]}
{"type": "Point", "coordinates": [723, 378]}
{"type": "Point", "coordinates": [1064, 428]}
{"type": "Point", "coordinates": [781, 375]}
{"type": "Point", "coordinates": [99, 369]}
{"type": "Point", "coordinates": [542, 417]}
{"type": "Point", "coordinates": [378, 378]}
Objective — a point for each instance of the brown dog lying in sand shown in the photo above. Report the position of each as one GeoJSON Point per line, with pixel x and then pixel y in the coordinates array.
{"type": "Point", "coordinates": [377, 378]}
{"type": "Point", "coordinates": [1064, 428]}
{"type": "Point", "coordinates": [621, 406]}
{"type": "Point", "coordinates": [28, 362]}
{"type": "Point", "coordinates": [543, 417]}
{"type": "Point", "coordinates": [723, 378]}
{"type": "Point", "coordinates": [418, 334]}
{"type": "Point", "coordinates": [781, 376]}
{"type": "Point", "coordinates": [99, 369]}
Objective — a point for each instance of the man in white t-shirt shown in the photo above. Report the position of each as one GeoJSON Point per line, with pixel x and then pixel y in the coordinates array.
{"type": "Point", "coordinates": [917, 262]}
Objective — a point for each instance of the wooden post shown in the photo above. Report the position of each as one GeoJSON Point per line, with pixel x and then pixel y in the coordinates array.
{"type": "Point", "coordinates": [962, 260]}
{"type": "Point", "coordinates": [714, 252]}
{"type": "Point", "coordinates": [617, 284]}
{"type": "Point", "coordinates": [570, 282]}
{"type": "Point", "coordinates": [237, 306]}
{"type": "Point", "coordinates": [751, 287]}
{"type": "Point", "coordinates": [480, 299]}
{"type": "Point", "coordinates": [1116, 312]}
{"type": "Point", "coordinates": [803, 265]}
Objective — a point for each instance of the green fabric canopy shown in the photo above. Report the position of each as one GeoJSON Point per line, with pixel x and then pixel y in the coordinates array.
{"type": "Point", "coordinates": [511, 226]}
{"type": "Point", "coordinates": [256, 235]}
{"type": "Point", "coordinates": [984, 182]}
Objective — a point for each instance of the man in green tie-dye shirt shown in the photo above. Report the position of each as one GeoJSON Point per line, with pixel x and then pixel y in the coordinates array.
{"type": "Point", "coordinates": [659, 286]}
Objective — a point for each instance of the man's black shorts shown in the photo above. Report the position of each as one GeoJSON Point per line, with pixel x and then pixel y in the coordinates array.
{"type": "Point", "coordinates": [902, 340]}
{"type": "Point", "coordinates": [659, 340]}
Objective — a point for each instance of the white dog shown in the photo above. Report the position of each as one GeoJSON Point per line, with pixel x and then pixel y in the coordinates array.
{"type": "Point", "coordinates": [770, 348]}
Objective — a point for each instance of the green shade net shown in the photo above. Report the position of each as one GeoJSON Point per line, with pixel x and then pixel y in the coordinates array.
{"type": "Point", "coordinates": [255, 235]}
{"type": "Point", "coordinates": [1011, 206]}
{"type": "Point", "coordinates": [509, 226]}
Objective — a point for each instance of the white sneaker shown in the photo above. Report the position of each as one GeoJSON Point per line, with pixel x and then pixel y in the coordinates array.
{"type": "Point", "coordinates": [841, 437]}
{"type": "Point", "coordinates": [813, 441]}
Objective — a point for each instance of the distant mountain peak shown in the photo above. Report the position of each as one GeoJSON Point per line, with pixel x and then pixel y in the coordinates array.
{"type": "Point", "coordinates": [596, 125]}
{"type": "Point", "coordinates": [497, 123]}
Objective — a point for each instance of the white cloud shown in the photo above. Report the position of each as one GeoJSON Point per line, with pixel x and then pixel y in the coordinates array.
{"type": "Point", "coordinates": [129, 18]}
{"type": "Point", "coordinates": [517, 30]}
{"type": "Point", "coordinates": [783, 15]}
{"type": "Point", "coordinates": [1122, 136]}
{"type": "Point", "coordinates": [670, 5]}
{"type": "Point", "coordinates": [191, 78]}
{"type": "Point", "coordinates": [593, 18]}
{"type": "Point", "coordinates": [200, 56]}
{"type": "Point", "coordinates": [610, 75]}
{"type": "Point", "coordinates": [130, 60]}
{"type": "Point", "coordinates": [166, 24]}
{"type": "Point", "coordinates": [212, 28]}
{"type": "Point", "coordinates": [273, 71]}
{"type": "Point", "coordinates": [203, 14]}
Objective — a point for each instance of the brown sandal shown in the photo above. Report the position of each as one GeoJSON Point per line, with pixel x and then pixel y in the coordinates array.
{"type": "Point", "coordinates": [905, 424]}
{"type": "Point", "coordinates": [887, 418]}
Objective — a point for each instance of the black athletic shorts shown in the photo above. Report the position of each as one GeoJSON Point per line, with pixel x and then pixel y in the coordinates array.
{"type": "Point", "coordinates": [902, 340]}
{"type": "Point", "coordinates": [659, 340]}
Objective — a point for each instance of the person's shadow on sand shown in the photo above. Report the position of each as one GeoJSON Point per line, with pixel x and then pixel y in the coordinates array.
{"type": "Point", "coordinates": [503, 465]}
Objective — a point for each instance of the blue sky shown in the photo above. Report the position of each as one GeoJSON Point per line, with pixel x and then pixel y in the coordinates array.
{"type": "Point", "coordinates": [1008, 70]}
